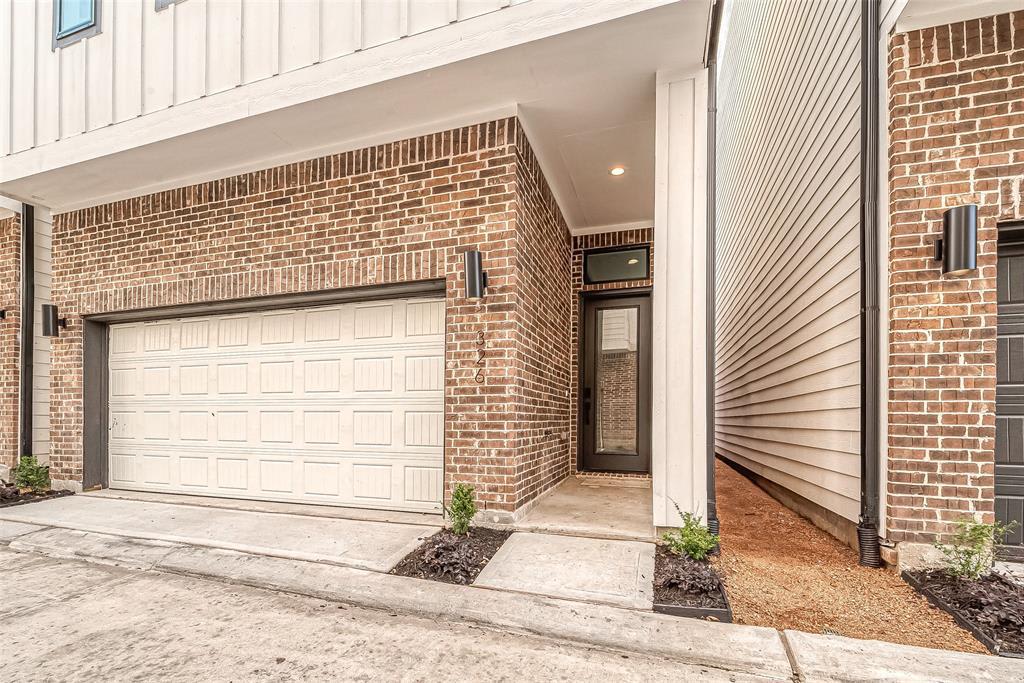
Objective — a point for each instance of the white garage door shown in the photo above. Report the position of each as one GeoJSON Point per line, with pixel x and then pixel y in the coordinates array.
{"type": "Point", "coordinates": [339, 405]}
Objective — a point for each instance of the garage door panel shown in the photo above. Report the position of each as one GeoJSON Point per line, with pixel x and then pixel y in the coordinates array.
{"type": "Point", "coordinates": [358, 479]}
{"type": "Point", "coordinates": [339, 404]}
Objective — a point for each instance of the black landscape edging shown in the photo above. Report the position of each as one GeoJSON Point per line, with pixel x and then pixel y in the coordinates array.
{"type": "Point", "coordinates": [36, 499]}
{"type": "Point", "coordinates": [958, 617]}
{"type": "Point", "coordinates": [721, 614]}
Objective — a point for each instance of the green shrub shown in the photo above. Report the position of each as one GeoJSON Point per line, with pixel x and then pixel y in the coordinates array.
{"type": "Point", "coordinates": [971, 552]}
{"type": "Point", "coordinates": [462, 509]}
{"type": "Point", "coordinates": [692, 539]}
{"type": "Point", "coordinates": [29, 474]}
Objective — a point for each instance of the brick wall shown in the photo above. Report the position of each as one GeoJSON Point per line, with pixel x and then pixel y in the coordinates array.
{"type": "Point", "coordinates": [957, 137]}
{"type": "Point", "coordinates": [398, 212]}
{"type": "Point", "coordinates": [580, 244]}
{"type": "Point", "coordinates": [543, 344]}
{"type": "Point", "coordinates": [10, 368]}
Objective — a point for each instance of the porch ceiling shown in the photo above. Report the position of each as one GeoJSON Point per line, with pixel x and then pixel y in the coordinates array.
{"type": "Point", "coordinates": [586, 99]}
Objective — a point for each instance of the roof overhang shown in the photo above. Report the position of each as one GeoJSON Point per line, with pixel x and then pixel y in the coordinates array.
{"type": "Point", "coordinates": [586, 99]}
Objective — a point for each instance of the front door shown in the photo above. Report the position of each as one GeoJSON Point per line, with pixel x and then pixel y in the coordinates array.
{"type": "Point", "coordinates": [1010, 387]}
{"type": "Point", "coordinates": [615, 396]}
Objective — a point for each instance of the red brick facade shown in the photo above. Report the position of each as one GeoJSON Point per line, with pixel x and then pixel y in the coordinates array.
{"type": "Point", "coordinates": [580, 244]}
{"type": "Point", "coordinates": [545, 364]}
{"type": "Point", "coordinates": [10, 301]}
{"type": "Point", "coordinates": [393, 213]}
{"type": "Point", "coordinates": [957, 137]}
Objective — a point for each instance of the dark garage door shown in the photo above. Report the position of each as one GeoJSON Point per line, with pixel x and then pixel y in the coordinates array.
{"type": "Point", "coordinates": [1010, 387]}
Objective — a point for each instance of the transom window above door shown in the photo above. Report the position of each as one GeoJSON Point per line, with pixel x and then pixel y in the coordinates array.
{"type": "Point", "coordinates": [616, 264]}
{"type": "Point", "coordinates": [74, 20]}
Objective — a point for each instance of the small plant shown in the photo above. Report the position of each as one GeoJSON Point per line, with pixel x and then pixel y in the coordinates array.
{"type": "Point", "coordinates": [971, 553]}
{"type": "Point", "coordinates": [462, 509]}
{"type": "Point", "coordinates": [692, 539]}
{"type": "Point", "coordinates": [29, 474]}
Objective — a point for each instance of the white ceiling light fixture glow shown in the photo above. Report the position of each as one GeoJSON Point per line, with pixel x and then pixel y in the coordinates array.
{"type": "Point", "coordinates": [616, 170]}
{"type": "Point", "coordinates": [633, 261]}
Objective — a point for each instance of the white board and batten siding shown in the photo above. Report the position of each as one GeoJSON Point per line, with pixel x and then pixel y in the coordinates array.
{"type": "Point", "coordinates": [145, 60]}
{"type": "Point", "coordinates": [337, 405]}
{"type": "Point", "coordinates": [788, 183]}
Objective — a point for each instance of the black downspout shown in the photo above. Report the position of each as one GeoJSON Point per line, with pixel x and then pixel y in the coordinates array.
{"type": "Point", "coordinates": [716, 16]}
{"type": "Point", "coordinates": [867, 529]}
{"type": "Point", "coordinates": [28, 289]}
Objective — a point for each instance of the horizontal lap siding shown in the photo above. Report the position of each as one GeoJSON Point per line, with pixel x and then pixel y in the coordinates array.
{"type": "Point", "coordinates": [787, 344]}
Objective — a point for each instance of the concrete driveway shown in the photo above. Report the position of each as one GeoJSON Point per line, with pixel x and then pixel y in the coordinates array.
{"type": "Point", "coordinates": [71, 620]}
{"type": "Point", "coordinates": [164, 594]}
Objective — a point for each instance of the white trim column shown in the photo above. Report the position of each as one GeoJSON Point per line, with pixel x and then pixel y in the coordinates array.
{"type": "Point", "coordinates": [679, 339]}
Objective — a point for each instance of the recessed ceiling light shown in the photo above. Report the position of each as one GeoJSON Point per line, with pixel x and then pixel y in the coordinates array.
{"type": "Point", "coordinates": [633, 261]}
{"type": "Point", "coordinates": [616, 170]}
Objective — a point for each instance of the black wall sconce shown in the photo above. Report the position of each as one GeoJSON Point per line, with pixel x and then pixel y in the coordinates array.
{"type": "Point", "coordinates": [476, 278]}
{"type": "Point", "coordinates": [958, 246]}
{"type": "Point", "coordinates": [52, 324]}
{"type": "Point", "coordinates": [3, 314]}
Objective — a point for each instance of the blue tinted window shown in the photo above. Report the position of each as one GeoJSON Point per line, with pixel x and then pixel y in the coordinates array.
{"type": "Point", "coordinates": [74, 15]}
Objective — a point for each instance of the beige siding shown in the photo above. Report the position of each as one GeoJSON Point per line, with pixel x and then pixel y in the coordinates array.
{"type": "Point", "coordinates": [788, 390]}
{"type": "Point", "coordinates": [41, 344]}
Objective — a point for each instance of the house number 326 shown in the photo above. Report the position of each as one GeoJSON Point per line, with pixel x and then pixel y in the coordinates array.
{"type": "Point", "coordinates": [481, 358]}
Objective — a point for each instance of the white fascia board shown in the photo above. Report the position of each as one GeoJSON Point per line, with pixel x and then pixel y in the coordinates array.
{"type": "Point", "coordinates": [9, 207]}
{"type": "Point", "coordinates": [928, 13]}
{"type": "Point", "coordinates": [491, 32]}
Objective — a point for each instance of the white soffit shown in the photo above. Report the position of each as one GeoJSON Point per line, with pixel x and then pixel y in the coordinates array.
{"type": "Point", "coordinates": [927, 13]}
{"type": "Point", "coordinates": [586, 98]}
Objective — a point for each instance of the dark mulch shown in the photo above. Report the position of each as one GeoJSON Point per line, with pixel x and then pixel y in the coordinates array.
{"type": "Point", "coordinates": [682, 581]}
{"type": "Point", "coordinates": [11, 495]}
{"type": "Point", "coordinates": [451, 558]}
{"type": "Point", "coordinates": [993, 604]}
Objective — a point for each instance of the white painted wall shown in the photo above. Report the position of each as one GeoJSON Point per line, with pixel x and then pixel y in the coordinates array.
{"type": "Point", "coordinates": [144, 61]}
{"type": "Point", "coordinates": [679, 342]}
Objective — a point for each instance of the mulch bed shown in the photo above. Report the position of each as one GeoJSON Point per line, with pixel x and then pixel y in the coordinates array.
{"type": "Point", "coordinates": [452, 558]}
{"type": "Point", "coordinates": [682, 581]}
{"type": "Point", "coordinates": [992, 605]}
{"type": "Point", "coordinates": [10, 495]}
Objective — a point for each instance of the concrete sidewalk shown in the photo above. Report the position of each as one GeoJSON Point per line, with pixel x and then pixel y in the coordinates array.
{"type": "Point", "coordinates": [342, 574]}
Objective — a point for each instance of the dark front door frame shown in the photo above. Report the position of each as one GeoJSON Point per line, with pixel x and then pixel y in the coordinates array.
{"type": "Point", "coordinates": [587, 458]}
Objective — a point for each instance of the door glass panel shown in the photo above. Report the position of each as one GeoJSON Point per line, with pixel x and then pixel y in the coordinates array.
{"type": "Point", "coordinates": [618, 364]}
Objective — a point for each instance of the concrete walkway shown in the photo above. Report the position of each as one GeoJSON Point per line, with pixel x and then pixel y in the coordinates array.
{"type": "Point", "coordinates": [347, 570]}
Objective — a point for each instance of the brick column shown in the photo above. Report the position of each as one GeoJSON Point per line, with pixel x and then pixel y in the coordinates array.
{"type": "Point", "coordinates": [10, 368]}
{"type": "Point", "coordinates": [957, 137]}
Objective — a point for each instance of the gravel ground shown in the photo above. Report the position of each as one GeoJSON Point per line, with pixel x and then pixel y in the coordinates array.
{"type": "Point", "coordinates": [782, 571]}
